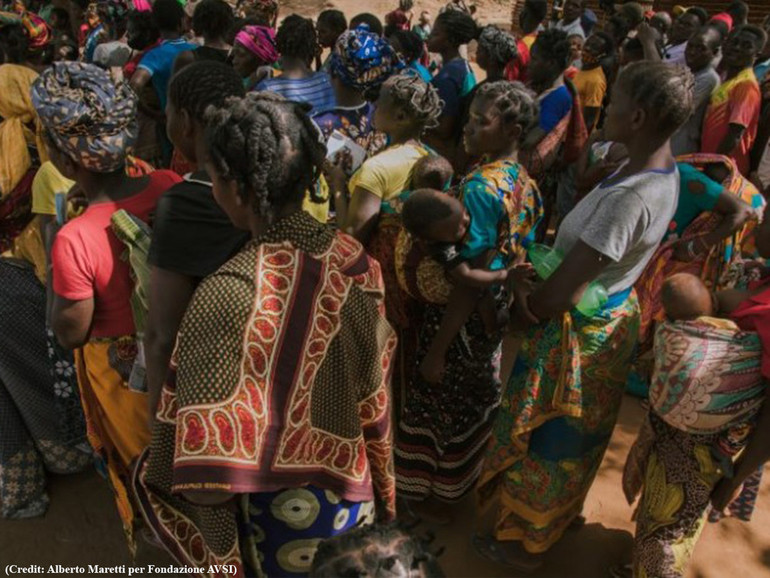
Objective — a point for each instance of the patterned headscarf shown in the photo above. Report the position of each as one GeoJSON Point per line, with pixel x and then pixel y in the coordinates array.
{"type": "Point", "coordinates": [87, 115]}
{"type": "Point", "coordinates": [260, 40]}
{"type": "Point", "coordinates": [363, 60]}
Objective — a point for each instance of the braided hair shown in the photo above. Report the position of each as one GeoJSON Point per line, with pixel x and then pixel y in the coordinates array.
{"type": "Point", "coordinates": [514, 101]}
{"type": "Point", "coordinates": [202, 84]}
{"type": "Point", "coordinates": [376, 551]}
{"type": "Point", "coordinates": [460, 27]}
{"type": "Point", "coordinates": [269, 146]}
{"type": "Point", "coordinates": [297, 38]}
{"type": "Point", "coordinates": [498, 44]}
{"type": "Point", "coordinates": [663, 91]}
{"type": "Point", "coordinates": [419, 99]}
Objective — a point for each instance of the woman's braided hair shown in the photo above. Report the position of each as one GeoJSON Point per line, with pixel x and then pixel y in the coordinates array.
{"type": "Point", "coordinates": [419, 99]}
{"type": "Point", "coordinates": [663, 91]}
{"type": "Point", "coordinates": [460, 27]}
{"type": "Point", "coordinates": [267, 144]}
{"type": "Point", "coordinates": [375, 551]}
{"type": "Point", "coordinates": [514, 101]}
{"type": "Point", "coordinates": [297, 38]}
{"type": "Point", "coordinates": [498, 44]}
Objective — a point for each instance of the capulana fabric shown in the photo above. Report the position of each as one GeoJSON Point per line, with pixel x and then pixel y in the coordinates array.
{"type": "Point", "coordinates": [38, 32]}
{"type": "Point", "coordinates": [362, 59]}
{"type": "Point", "coordinates": [89, 117]}
{"type": "Point", "coordinates": [260, 40]}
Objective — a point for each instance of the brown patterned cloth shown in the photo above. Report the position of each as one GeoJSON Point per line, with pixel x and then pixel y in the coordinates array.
{"type": "Point", "coordinates": [281, 379]}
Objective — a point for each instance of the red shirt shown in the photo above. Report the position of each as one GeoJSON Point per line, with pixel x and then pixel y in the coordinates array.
{"type": "Point", "coordinates": [86, 258]}
{"type": "Point", "coordinates": [517, 68]}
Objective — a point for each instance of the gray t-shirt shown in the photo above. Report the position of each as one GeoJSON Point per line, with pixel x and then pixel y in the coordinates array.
{"type": "Point", "coordinates": [624, 220]}
{"type": "Point", "coordinates": [687, 139]}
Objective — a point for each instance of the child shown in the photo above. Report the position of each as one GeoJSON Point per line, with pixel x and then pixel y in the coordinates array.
{"type": "Point", "coordinates": [423, 27]}
{"type": "Point", "coordinates": [685, 297]}
{"type": "Point", "coordinates": [432, 172]}
{"type": "Point", "coordinates": [330, 26]}
{"type": "Point", "coordinates": [441, 220]}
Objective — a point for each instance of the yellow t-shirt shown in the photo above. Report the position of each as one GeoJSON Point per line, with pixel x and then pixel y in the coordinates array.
{"type": "Point", "coordinates": [319, 211]}
{"type": "Point", "coordinates": [29, 244]}
{"type": "Point", "coordinates": [389, 173]}
{"type": "Point", "coordinates": [591, 85]}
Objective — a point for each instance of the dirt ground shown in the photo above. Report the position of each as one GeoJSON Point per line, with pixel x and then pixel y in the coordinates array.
{"type": "Point", "coordinates": [82, 527]}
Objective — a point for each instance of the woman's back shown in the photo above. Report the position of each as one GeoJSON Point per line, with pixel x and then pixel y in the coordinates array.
{"type": "Point", "coordinates": [87, 258]}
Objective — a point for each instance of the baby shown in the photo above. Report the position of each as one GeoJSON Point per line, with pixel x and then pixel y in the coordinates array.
{"type": "Point", "coordinates": [432, 172]}
{"type": "Point", "coordinates": [685, 297]}
{"type": "Point", "coordinates": [441, 221]}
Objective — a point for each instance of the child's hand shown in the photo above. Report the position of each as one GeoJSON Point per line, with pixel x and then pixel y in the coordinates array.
{"type": "Point", "coordinates": [335, 170]}
{"type": "Point", "coordinates": [432, 367]}
{"type": "Point", "coordinates": [521, 277]}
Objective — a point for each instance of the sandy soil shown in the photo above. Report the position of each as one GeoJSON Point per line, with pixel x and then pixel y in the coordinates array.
{"type": "Point", "coordinates": [82, 527]}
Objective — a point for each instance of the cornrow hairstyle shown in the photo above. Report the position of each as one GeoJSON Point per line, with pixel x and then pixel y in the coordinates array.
{"type": "Point", "coordinates": [202, 84]}
{"type": "Point", "coordinates": [460, 27]}
{"type": "Point", "coordinates": [269, 146]}
{"type": "Point", "coordinates": [760, 36]}
{"type": "Point", "coordinates": [663, 91]}
{"type": "Point", "coordinates": [419, 99]}
{"type": "Point", "coordinates": [410, 42]}
{"type": "Point", "coordinates": [553, 46]}
{"type": "Point", "coordinates": [375, 551]}
{"type": "Point", "coordinates": [168, 15]}
{"type": "Point", "coordinates": [334, 19]}
{"type": "Point", "coordinates": [297, 38]}
{"type": "Point", "coordinates": [212, 19]}
{"type": "Point", "coordinates": [514, 101]}
{"type": "Point", "coordinates": [498, 44]}
{"type": "Point", "coordinates": [374, 23]}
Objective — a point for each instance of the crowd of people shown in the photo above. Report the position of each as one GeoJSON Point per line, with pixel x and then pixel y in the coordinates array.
{"type": "Point", "coordinates": [258, 269]}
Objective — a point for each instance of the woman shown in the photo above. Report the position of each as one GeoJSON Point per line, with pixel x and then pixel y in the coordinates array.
{"type": "Point", "coordinates": [410, 47]}
{"type": "Point", "coordinates": [454, 81]}
{"type": "Point", "coordinates": [313, 407]}
{"type": "Point", "coordinates": [90, 123]}
{"type": "Point", "coordinates": [212, 20]}
{"type": "Point", "coordinates": [254, 53]}
{"type": "Point", "coordinates": [360, 63]}
{"type": "Point", "coordinates": [561, 408]}
{"type": "Point", "coordinates": [706, 236]}
{"type": "Point", "coordinates": [561, 131]}
{"type": "Point", "coordinates": [496, 50]}
{"type": "Point", "coordinates": [451, 400]}
{"type": "Point", "coordinates": [20, 135]}
{"type": "Point", "coordinates": [297, 43]}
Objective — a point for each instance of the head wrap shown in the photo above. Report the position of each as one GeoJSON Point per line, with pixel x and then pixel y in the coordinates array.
{"type": "Point", "coordinates": [260, 40]}
{"type": "Point", "coordinates": [89, 117]}
{"type": "Point", "coordinates": [18, 118]}
{"type": "Point", "coordinates": [363, 60]}
{"type": "Point", "coordinates": [724, 17]}
{"type": "Point", "coordinates": [36, 29]}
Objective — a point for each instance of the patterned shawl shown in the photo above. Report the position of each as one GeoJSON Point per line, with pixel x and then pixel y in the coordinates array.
{"type": "Point", "coordinates": [88, 116]}
{"type": "Point", "coordinates": [712, 267]}
{"type": "Point", "coordinates": [281, 379]}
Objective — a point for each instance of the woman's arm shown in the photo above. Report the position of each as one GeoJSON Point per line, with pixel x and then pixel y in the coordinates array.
{"type": "Point", "coordinates": [362, 214]}
{"type": "Point", "coordinates": [565, 287]}
{"type": "Point", "coordinates": [170, 293]}
{"type": "Point", "coordinates": [71, 321]}
{"type": "Point", "coordinates": [735, 213]}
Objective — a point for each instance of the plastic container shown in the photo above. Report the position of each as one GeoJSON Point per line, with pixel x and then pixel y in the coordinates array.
{"type": "Point", "coordinates": [546, 260]}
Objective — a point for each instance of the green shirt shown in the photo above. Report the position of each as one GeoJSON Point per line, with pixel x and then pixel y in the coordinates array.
{"type": "Point", "coordinates": [697, 193]}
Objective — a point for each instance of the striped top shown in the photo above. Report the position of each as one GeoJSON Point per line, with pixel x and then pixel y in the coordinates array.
{"type": "Point", "coordinates": [316, 90]}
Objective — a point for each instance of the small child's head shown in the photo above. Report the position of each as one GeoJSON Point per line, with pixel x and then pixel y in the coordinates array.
{"type": "Point", "coordinates": [650, 101]}
{"type": "Point", "coordinates": [685, 297]}
{"type": "Point", "coordinates": [435, 217]}
{"type": "Point", "coordinates": [432, 172]}
{"type": "Point", "coordinates": [424, 18]}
